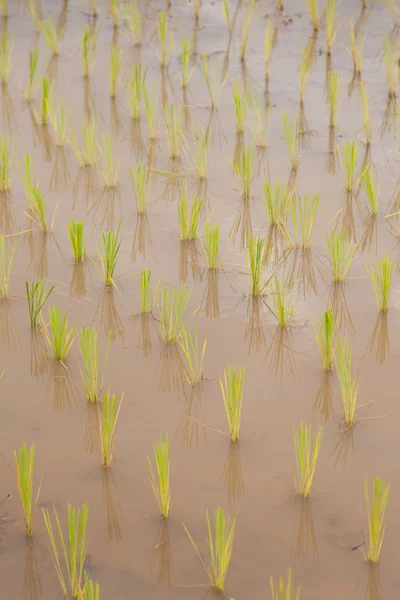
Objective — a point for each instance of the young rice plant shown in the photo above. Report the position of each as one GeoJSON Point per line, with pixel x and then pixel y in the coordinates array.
{"type": "Point", "coordinates": [232, 392]}
{"type": "Point", "coordinates": [160, 484]}
{"type": "Point", "coordinates": [306, 457]}
{"type": "Point", "coordinates": [25, 467]}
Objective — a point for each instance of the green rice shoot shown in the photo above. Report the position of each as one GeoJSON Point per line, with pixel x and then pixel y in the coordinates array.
{"type": "Point", "coordinates": [109, 254]}
{"type": "Point", "coordinates": [348, 384]}
{"type": "Point", "coordinates": [243, 168]}
{"type": "Point", "coordinates": [307, 454]}
{"type": "Point", "coordinates": [276, 200]}
{"type": "Point", "coordinates": [173, 119]}
{"type": "Point", "coordinates": [366, 114]}
{"type": "Point", "coordinates": [88, 154]}
{"type": "Point", "coordinates": [160, 483]}
{"type": "Point", "coordinates": [60, 121]}
{"type": "Point", "coordinates": [141, 186]}
{"type": "Point", "coordinates": [145, 303]}
{"type": "Point", "coordinates": [356, 50]}
{"type": "Point", "coordinates": [245, 30]}
{"type": "Point", "coordinates": [376, 509]}
{"type": "Point", "coordinates": [28, 180]}
{"type": "Point", "coordinates": [111, 409]}
{"type": "Point", "coordinates": [260, 129]}
{"type": "Point", "coordinates": [88, 48]}
{"type": "Point", "coordinates": [240, 102]}
{"type": "Point", "coordinates": [188, 223]}
{"type": "Point", "coordinates": [107, 167]}
{"type": "Point", "coordinates": [291, 133]}
{"type": "Point", "coordinates": [90, 591]}
{"type": "Point", "coordinates": [166, 42]}
{"type": "Point", "coordinates": [172, 304]}
{"type": "Point", "coordinates": [77, 239]}
{"type": "Point", "coordinates": [227, 13]}
{"type": "Point", "coordinates": [133, 21]}
{"type": "Point", "coordinates": [5, 165]}
{"type": "Point", "coordinates": [201, 144]}
{"type": "Point", "coordinates": [25, 468]}
{"type": "Point", "coordinates": [6, 264]}
{"type": "Point", "coordinates": [137, 81]}
{"type": "Point", "coordinates": [115, 69]}
{"type": "Point", "coordinates": [151, 112]}
{"type": "Point", "coordinates": [60, 337]}
{"type": "Point", "coordinates": [283, 303]}
{"type": "Point", "coordinates": [306, 60]}
{"type": "Point", "coordinates": [282, 589]}
{"type": "Point", "coordinates": [33, 63]}
{"type": "Point", "coordinates": [334, 97]}
{"type": "Point", "coordinates": [325, 334]}
{"type": "Point", "coordinates": [268, 44]}
{"type": "Point", "coordinates": [89, 346]}
{"type": "Point", "coordinates": [372, 190]}
{"type": "Point", "coordinates": [37, 294]}
{"type": "Point", "coordinates": [185, 60]}
{"type": "Point", "coordinates": [211, 246]}
{"type": "Point", "coordinates": [6, 48]}
{"type": "Point", "coordinates": [391, 63]}
{"type": "Point", "coordinates": [312, 6]}
{"type": "Point", "coordinates": [232, 385]}
{"type": "Point", "coordinates": [330, 18]}
{"type": "Point", "coordinates": [45, 101]}
{"type": "Point", "coordinates": [381, 274]}
{"type": "Point", "coordinates": [351, 151]}
{"type": "Point", "coordinates": [215, 81]}
{"type": "Point", "coordinates": [302, 213]}
{"type": "Point", "coordinates": [49, 33]}
{"type": "Point", "coordinates": [341, 254]}
{"type": "Point", "coordinates": [255, 256]}
{"type": "Point", "coordinates": [194, 355]}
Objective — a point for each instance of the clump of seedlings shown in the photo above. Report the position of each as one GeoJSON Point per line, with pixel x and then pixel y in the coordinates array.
{"type": "Point", "coordinates": [137, 81]}
{"type": "Point", "coordinates": [372, 190]}
{"type": "Point", "coordinates": [115, 69]}
{"type": "Point", "coordinates": [348, 385]}
{"type": "Point", "coordinates": [391, 64]}
{"type": "Point", "coordinates": [334, 97]}
{"type": "Point", "coordinates": [87, 155]}
{"type": "Point", "coordinates": [261, 126]}
{"type": "Point", "coordinates": [283, 302]}
{"type": "Point", "coordinates": [76, 238]}
{"type": "Point", "coordinates": [106, 166]}
{"type": "Point", "coordinates": [88, 48]}
{"type": "Point", "coordinates": [243, 168]}
{"type": "Point", "coordinates": [6, 264]}
{"type": "Point", "coordinates": [351, 151]}
{"type": "Point", "coordinates": [306, 457]}
{"type": "Point", "coordinates": [33, 63]}
{"type": "Point", "coordinates": [115, 16]}
{"type": "Point", "coordinates": [240, 102]}
{"type": "Point", "coordinates": [291, 132]}
{"type": "Point", "coordinates": [188, 223]}
{"type": "Point", "coordinates": [325, 334]}
{"type": "Point", "coordinates": [133, 21]}
{"type": "Point", "coordinates": [232, 392]}
{"type": "Point", "coordinates": [5, 58]}
{"type": "Point", "coordinates": [282, 590]}
{"type": "Point", "coordinates": [166, 42]}
{"type": "Point", "coordinates": [111, 410]}
{"type": "Point", "coordinates": [366, 114]}
{"type": "Point", "coordinates": [160, 484]}
{"type": "Point", "coordinates": [330, 17]}
{"type": "Point", "coordinates": [173, 119]}
{"type": "Point", "coordinates": [33, 13]}
{"type": "Point", "coordinates": [5, 165]}
{"type": "Point", "coordinates": [59, 120]}
{"type": "Point", "coordinates": [36, 294]}
{"type": "Point", "coordinates": [312, 6]}
{"type": "Point", "coordinates": [145, 303]}
{"type": "Point", "coordinates": [172, 305]}
{"type": "Point", "coordinates": [49, 33]}
{"type": "Point", "coordinates": [214, 82]}
{"type": "Point", "coordinates": [376, 516]}
{"type": "Point", "coordinates": [201, 144]}
{"type": "Point", "coordinates": [211, 246]}
{"type": "Point", "coordinates": [74, 548]}
{"type": "Point", "coordinates": [151, 112]}
{"type": "Point", "coordinates": [227, 12]}
{"type": "Point", "coordinates": [277, 200]}
{"type": "Point", "coordinates": [268, 44]}
{"type": "Point", "coordinates": [44, 112]}
{"type": "Point", "coordinates": [306, 61]}
{"type": "Point", "coordinates": [28, 183]}
{"type": "Point", "coordinates": [90, 591]}
{"type": "Point", "coordinates": [25, 467]}
{"type": "Point", "coordinates": [60, 335]}
{"type": "Point", "coordinates": [109, 254]}
{"type": "Point", "coordinates": [194, 355]}
{"type": "Point", "coordinates": [220, 547]}
{"type": "Point", "coordinates": [303, 213]}
{"type": "Point", "coordinates": [255, 256]}
{"type": "Point", "coordinates": [38, 211]}
{"type": "Point", "coordinates": [246, 27]}
{"type": "Point", "coordinates": [89, 346]}
{"type": "Point", "coordinates": [186, 48]}
{"type": "Point", "coordinates": [341, 254]}
{"type": "Point", "coordinates": [356, 50]}
{"type": "Point", "coordinates": [382, 274]}
{"type": "Point", "coordinates": [141, 186]}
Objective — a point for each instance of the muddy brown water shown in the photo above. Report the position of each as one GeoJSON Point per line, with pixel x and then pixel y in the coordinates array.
{"type": "Point", "coordinates": [132, 553]}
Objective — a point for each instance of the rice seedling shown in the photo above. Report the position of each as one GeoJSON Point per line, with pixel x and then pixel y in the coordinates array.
{"type": "Point", "coordinates": [88, 155]}
{"type": "Point", "coordinates": [306, 457]}
{"type": "Point", "coordinates": [172, 304]}
{"type": "Point", "coordinates": [88, 47]}
{"type": "Point", "coordinates": [261, 127]}
{"type": "Point", "coordinates": [188, 223]}
{"type": "Point", "coordinates": [341, 254]}
{"type": "Point", "coordinates": [74, 547]}
{"type": "Point", "coordinates": [145, 303]}
{"type": "Point", "coordinates": [282, 590]}
{"type": "Point", "coordinates": [45, 101]}
{"type": "Point", "coordinates": [186, 48]}
{"type": "Point", "coordinates": [89, 346]}
{"type": "Point", "coordinates": [173, 119]}
{"type": "Point", "coordinates": [49, 33]}
{"type": "Point", "coordinates": [268, 43]}
{"type": "Point", "coordinates": [38, 209]}
{"type": "Point", "coordinates": [201, 144]}
{"type": "Point", "coordinates": [240, 101]}
{"type": "Point", "coordinates": [330, 17]}
{"type": "Point", "coordinates": [381, 274]}
{"type": "Point", "coordinates": [276, 201]}
{"type": "Point", "coordinates": [283, 303]}
{"type": "Point", "coordinates": [6, 263]}
{"type": "Point", "coordinates": [194, 355]}
{"type": "Point", "coordinates": [133, 21]}
{"type": "Point", "coordinates": [196, 9]}
{"type": "Point", "coordinates": [305, 71]}
{"type": "Point", "coordinates": [76, 237]}
{"type": "Point", "coordinates": [220, 547]}
{"type": "Point", "coordinates": [93, 8]}
{"type": "Point", "coordinates": [245, 30]}
{"type": "Point", "coordinates": [28, 182]}
{"type": "Point", "coordinates": [5, 58]}
{"type": "Point", "coordinates": [111, 409]}
{"type": "Point", "coordinates": [348, 385]}
{"type": "Point", "coordinates": [291, 132]}
{"type": "Point", "coordinates": [60, 121]}
{"type": "Point", "coordinates": [36, 295]}
{"type": "Point", "coordinates": [25, 467]}
{"type": "Point", "coordinates": [136, 84]}
{"type": "Point", "coordinates": [33, 13]}
{"type": "Point", "coordinates": [303, 213]}
{"type": "Point", "coordinates": [372, 190]}
{"type": "Point", "coordinates": [5, 165]}
{"type": "Point", "coordinates": [391, 64]}
{"type": "Point", "coordinates": [107, 167]}
{"type": "Point", "coordinates": [312, 6]}
{"type": "Point", "coordinates": [334, 97]}
{"type": "Point", "coordinates": [115, 16]}
{"type": "Point", "coordinates": [243, 168]}
{"type": "Point", "coordinates": [111, 246]}
{"type": "Point", "coordinates": [376, 516]}
{"type": "Point", "coordinates": [4, 8]}
{"type": "Point", "coordinates": [115, 68]}
{"type": "Point", "coordinates": [356, 50]}
{"type": "Point", "coordinates": [279, 5]}
{"type": "Point", "coordinates": [366, 114]}
{"type": "Point", "coordinates": [392, 8]}
{"type": "Point", "coordinates": [141, 186]}
{"type": "Point", "coordinates": [215, 82]}
{"type": "Point", "coordinates": [325, 334]}
{"type": "Point", "coordinates": [232, 392]}
{"type": "Point", "coordinates": [151, 112]}
{"type": "Point", "coordinates": [160, 485]}
{"type": "Point", "coordinates": [33, 63]}
{"type": "Point", "coordinates": [255, 255]}
{"type": "Point", "coordinates": [211, 246]}
{"type": "Point", "coordinates": [166, 42]}
{"type": "Point", "coordinates": [60, 337]}
{"type": "Point", "coordinates": [227, 12]}
{"type": "Point", "coordinates": [90, 591]}
{"type": "Point", "coordinates": [351, 150]}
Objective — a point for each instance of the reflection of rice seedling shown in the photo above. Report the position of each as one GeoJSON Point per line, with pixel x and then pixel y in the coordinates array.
{"type": "Point", "coordinates": [49, 33]}
{"type": "Point", "coordinates": [173, 119]}
{"type": "Point", "coordinates": [193, 354]}
{"type": "Point", "coordinates": [74, 547]}
{"type": "Point", "coordinates": [59, 120]}
{"type": "Point", "coordinates": [45, 101]}
{"type": "Point", "coordinates": [166, 44]}
{"type": "Point", "coordinates": [36, 294]}
{"type": "Point", "coordinates": [243, 167]}
{"type": "Point", "coordinates": [306, 457]}
{"type": "Point", "coordinates": [334, 97]}
{"type": "Point", "coordinates": [136, 85]}
{"type": "Point", "coordinates": [282, 301]}
{"type": "Point", "coordinates": [240, 101]}
{"type": "Point", "coordinates": [5, 58]}
{"type": "Point", "coordinates": [110, 417]}
{"type": "Point", "coordinates": [60, 337]}
{"type": "Point", "coordinates": [356, 49]}
{"type": "Point", "coordinates": [342, 254]}
{"type": "Point", "coordinates": [255, 255]}
{"type": "Point", "coordinates": [88, 48]}
{"type": "Point", "coordinates": [291, 131]}
{"type": "Point", "coordinates": [145, 303]}
{"type": "Point", "coordinates": [211, 246]}
{"type": "Point", "coordinates": [366, 114]}
{"type": "Point", "coordinates": [5, 164]}
{"type": "Point", "coordinates": [376, 516]}
{"type": "Point", "coordinates": [107, 167]}
{"type": "Point", "coordinates": [371, 190]}
{"type": "Point", "coordinates": [161, 484]}
{"type": "Point", "coordinates": [89, 346]}
{"type": "Point", "coordinates": [90, 591]}
{"type": "Point", "coordinates": [114, 68]}
{"type": "Point", "coordinates": [325, 333]}
{"type": "Point", "coordinates": [76, 237]}
{"type": "Point", "coordinates": [268, 43]}
{"type": "Point", "coordinates": [25, 466]}
{"type": "Point", "coordinates": [391, 64]}
{"type": "Point", "coordinates": [312, 6]}
{"type": "Point", "coordinates": [220, 547]}
{"type": "Point", "coordinates": [133, 20]}
{"type": "Point", "coordinates": [303, 213]}
{"type": "Point", "coordinates": [33, 62]}
{"type": "Point", "coordinates": [232, 392]}
{"type": "Point", "coordinates": [276, 202]}
{"type": "Point", "coordinates": [88, 155]}
{"type": "Point", "coordinates": [188, 224]}
{"type": "Point", "coordinates": [141, 186]}
{"type": "Point", "coordinates": [348, 385]}
{"type": "Point", "coordinates": [330, 16]}
{"type": "Point", "coordinates": [111, 245]}
{"type": "Point", "coordinates": [381, 274]}
{"type": "Point", "coordinates": [351, 151]}
{"type": "Point", "coordinates": [201, 143]}
{"type": "Point", "coordinates": [172, 305]}
{"type": "Point", "coordinates": [186, 48]}
{"type": "Point", "coordinates": [245, 31]}
{"type": "Point", "coordinates": [227, 12]}
{"type": "Point", "coordinates": [306, 61]}
{"type": "Point", "coordinates": [282, 590]}
{"type": "Point", "coordinates": [151, 113]}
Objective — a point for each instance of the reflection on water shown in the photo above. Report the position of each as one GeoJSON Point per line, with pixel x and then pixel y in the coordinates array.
{"type": "Point", "coordinates": [142, 238]}
{"type": "Point", "coordinates": [9, 121]}
{"type": "Point", "coordinates": [102, 210]}
{"type": "Point", "coordinates": [305, 132]}
{"type": "Point", "coordinates": [9, 340]}
{"type": "Point", "coordinates": [144, 345]}
{"type": "Point", "coordinates": [344, 447]}
{"type": "Point", "coordinates": [190, 427]}
{"type": "Point", "coordinates": [32, 586]}
{"type": "Point", "coordinates": [338, 302]}
{"type": "Point", "coordinates": [389, 119]}
{"type": "Point", "coordinates": [138, 147]}
{"type": "Point", "coordinates": [37, 243]}
{"type": "Point", "coordinates": [254, 335]}
{"type": "Point", "coordinates": [77, 286]}
{"type": "Point", "coordinates": [172, 372]}
{"type": "Point", "coordinates": [232, 476]}
{"type": "Point", "coordinates": [304, 268]}
{"type": "Point", "coordinates": [373, 590]}
{"type": "Point", "coordinates": [189, 261]}
{"type": "Point", "coordinates": [38, 361]}
{"type": "Point", "coordinates": [378, 345]}
{"type": "Point", "coordinates": [60, 174]}
{"type": "Point", "coordinates": [6, 213]}
{"type": "Point", "coordinates": [370, 234]}
{"type": "Point", "coordinates": [112, 510]}
{"type": "Point", "coordinates": [91, 438]}
{"type": "Point", "coordinates": [109, 317]}
{"type": "Point", "coordinates": [304, 538]}
{"type": "Point", "coordinates": [281, 355]}
{"type": "Point", "coordinates": [323, 403]}
{"type": "Point", "coordinates": [161, 555]}
{"type": "Point", "coordinates": [212, 294]}
{"type": "Point", "coordinates": [61, 388]}
{"type": "Point", "coordinates": [242, 227]}
{"type": "Point", "coordinates": [85, 181]}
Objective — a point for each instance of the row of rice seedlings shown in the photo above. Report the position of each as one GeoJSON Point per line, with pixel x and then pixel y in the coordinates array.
{"type": "Point", "coordinates": [133, 21]}
{"type": "Point", "coordinates": [73, 548]}
{"type": "Point", "coordinates": [245, 30]}
{"type": "Point", "coordinates": [312, 6]}
{"type": "Point", "coordinates": [115, 69]}
{"type": "Point", "coordinates": [260, 129]}
{"type": "Point", "coordinates": [106, 166]}
{"type": "Point", "coordinates": [325, 334]}
{"type": "Point", "coordinates": [33, 63]}
{"type": "Point", "coordinates": [211, 246]}
{"type": "Point", "coordinates": [391, 63]}
{"type": "Point", "coordinates": [330, 18]}
{"type": "Point", "coordinates": [243, 168]}
{"type": "Point", "coordinates": [356, 50]}
{"type": "Point", "coordinates": [201, 144]}
{"type": "Point", "coordinates": [36, 293]}
{"type": "Point", "coordinates": [89, 346]}
{"type": "Point", "coordinates": [283, 303]}
{"type": "Point", "coordinates": [89, 38]}
{"type": "Point", "coordinates": [5, 164]}
{"type": "Point", "coordinates": [109, 254]}
{"type": "Point", "coordinates": [160, 485]}
{"type": "Point", "coordinates": [240, 101]}
{"type": "Point", "coordinates": [334, 97]}
{"type": "Point", "coordinates": [281, 589]}
{"type": "Point", "coordinates": [6, 264]}
{"type": "Point", "coordinates": [372, 190]}
{"type": "Point", "coordinates": [188, 224]}
{"type": "Point", "coordinates": [77, 239]}
{"type": "Point", "coordinates": [232, 386]}
{"type": "Point", "coordinates": [366, 114]}
{"type": "Point", "coordinates": [291, 132]}
{"type": "Point", "coordinates": [381, 274]}
{"type": "Point", "coordinates": [136, 84]}
{"type": "Point", "coordinates": [88, 155]}
{"type": "Point", "coordinates": [25, 468]}
{"type": "Point", "coordinates": [220, 547]}
{"type": "Point", "coordinates": [186, 48]}
{"type": "Point", "coordinates": [306, 61]}
{"type": "Point", "coordinates": [50, 36]}
{"type": "Point", "coordinates": [166, 42]}
{"type": "Point", "coordinates": [376, 516]}
{"type": "Point", "coordinates": [173, 119]}
{"type": "Point", "coordinates": [145, 303]}
{"type": "Point", "coordinates": [351, 151]}
{"type": "Point", "coordinates": [6, 48]}
{"type": "Point", "coordinates": [151, 111]}
{"type": "Point", "coordinates": [276, 201]}
{"type": "Point", "coordinates": [111, 410]}
{"type": "Point", "coordinates": [306, 457]}
{"type": "Point", "coordinates": [348, 384]}
{"type": "Point", "coordinates": [60, 335]}
{"type": "Point", "coordinates": [44, 106]}
{"type": "Point", "coordinates": [268, 44]}
{"type": "Point", "coordinates": [255, 257]}
{"type": "Point", "coordinates": [141, 186]}
{"type": "Point", "coordinates": [60, 121]}
{"type": "Point", "coordinates": [341, 254]}
{"type": "Point", "coordinates": [172, 304]}
{"type": "Point", "coordinates": [194, 355]}
{"type": "Point", "coordinates": [303, 213]}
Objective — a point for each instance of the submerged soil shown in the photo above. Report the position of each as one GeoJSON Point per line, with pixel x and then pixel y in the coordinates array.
{"type": "Point", "coordinates": [132, 553]}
